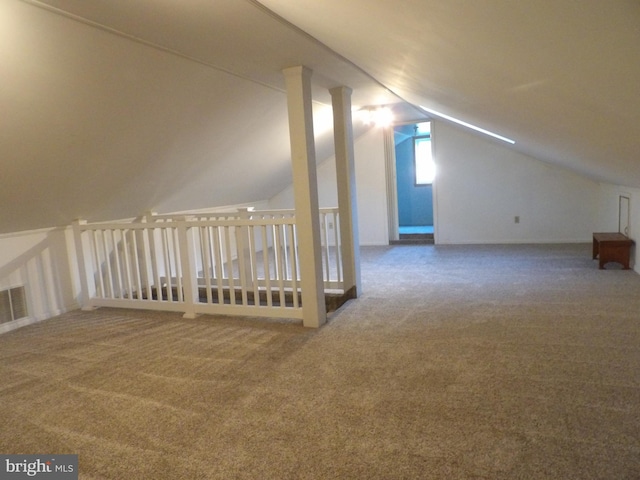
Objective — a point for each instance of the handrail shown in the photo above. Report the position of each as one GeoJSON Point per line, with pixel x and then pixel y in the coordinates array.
{"type": "Point", "coordinates": [243, 262]}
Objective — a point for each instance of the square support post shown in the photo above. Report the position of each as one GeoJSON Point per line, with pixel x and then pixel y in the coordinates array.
{"type": "Point", "coordinates": [188, 269]}
{"type": "Point", "coordinates": [85, 293]}
{"type": "Point", "coordinates": [346, 181]}
{"type": "Point", "coordinates": [305, 190]}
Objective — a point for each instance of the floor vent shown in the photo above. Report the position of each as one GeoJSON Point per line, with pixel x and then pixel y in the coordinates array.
{"type": "Point", "coordinates": [13, 304]}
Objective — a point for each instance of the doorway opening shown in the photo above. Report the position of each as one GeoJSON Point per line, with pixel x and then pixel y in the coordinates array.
{"type": "Point", "coordinates": [415, 176]}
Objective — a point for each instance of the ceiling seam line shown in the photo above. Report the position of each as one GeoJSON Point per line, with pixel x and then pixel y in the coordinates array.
{"type": "Point", "coordinates": [293, 26]}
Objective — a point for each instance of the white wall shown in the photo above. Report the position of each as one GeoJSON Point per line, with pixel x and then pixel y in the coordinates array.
{"type": "Point", "coordinates": [370, 188]}
{"type": "Point", "coordinates": [39, 260]}
{"type": "Point", "coordinates": [482, 185]}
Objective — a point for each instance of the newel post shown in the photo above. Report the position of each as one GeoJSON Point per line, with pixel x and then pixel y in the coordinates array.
{"type": "Point", "coordinates": [243, 239]}
{"type": "Point", "coordinates": [85, 295]}
{"type": "Point", "coordinates": [188, 268]}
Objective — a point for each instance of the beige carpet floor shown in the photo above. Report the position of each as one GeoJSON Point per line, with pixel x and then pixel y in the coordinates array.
{"type": "Point", "coordinates": [457, 362]}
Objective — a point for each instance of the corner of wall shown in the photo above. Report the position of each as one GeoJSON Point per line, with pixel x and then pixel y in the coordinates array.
{"type": "Point", "coordinates": [43, 262]}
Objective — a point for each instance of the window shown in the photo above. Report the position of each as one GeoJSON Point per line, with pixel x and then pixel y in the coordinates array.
{"type": "Point", "coordinates": [425, 167]}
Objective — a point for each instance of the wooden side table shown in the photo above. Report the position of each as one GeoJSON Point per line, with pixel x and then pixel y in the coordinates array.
{"type": "Point", "coordinates": [612, 247]}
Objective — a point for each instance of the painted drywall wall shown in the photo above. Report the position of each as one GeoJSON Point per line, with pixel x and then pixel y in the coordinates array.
{"type": "Point", "coordinates": [39, 261]}
{"type": "Point", "coordinates": [482, 185]}
{"type": "Point", "coordinates": [415, 202]}
{"type": "Point", "coordinates": [370, 188]}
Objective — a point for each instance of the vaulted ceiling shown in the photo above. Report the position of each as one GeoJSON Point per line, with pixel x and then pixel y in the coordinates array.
{"type": "Point", "coordinates": [113, 107]}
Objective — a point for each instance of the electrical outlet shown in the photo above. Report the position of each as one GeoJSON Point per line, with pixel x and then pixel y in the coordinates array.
{"type": "Point", "coordinates": [516, 219]}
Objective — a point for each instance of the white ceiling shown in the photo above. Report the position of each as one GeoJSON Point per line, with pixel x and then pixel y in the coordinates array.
{"type": "Point", "coordinates": [561, 77]}
{"type": "Point", "coordinates": [113, 107]}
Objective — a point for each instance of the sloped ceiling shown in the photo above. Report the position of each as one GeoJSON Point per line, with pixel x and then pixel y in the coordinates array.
{"type": "Point", "coordinates": [560, 77]}
{"type": "Point", "coordinates": [113, 107]}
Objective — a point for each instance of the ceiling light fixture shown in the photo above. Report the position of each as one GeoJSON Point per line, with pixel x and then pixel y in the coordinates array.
{"type": "Point", "coordinates": [468, 125]}
{"type": "Point", "coordinates": [380, 116]}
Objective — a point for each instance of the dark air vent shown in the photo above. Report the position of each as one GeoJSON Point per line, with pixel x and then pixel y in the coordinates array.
{"type": "Point", "coordinates": [13, 304]}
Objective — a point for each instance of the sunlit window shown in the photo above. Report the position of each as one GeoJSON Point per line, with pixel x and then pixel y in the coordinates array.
{"type": "Point", "coordinates": [425, 166]}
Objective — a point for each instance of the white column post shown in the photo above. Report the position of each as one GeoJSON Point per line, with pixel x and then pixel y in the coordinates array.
{"type": "Point", "coordinates": [85, 294]}
{"type": "Point", "coordinates": [305, 190]}
{"type": "Point", "coordinates": [392, 188]}
{"type": "Point", "coordinates": [189, 271]}
{"type": "Point", "coordinates": [346, 180]}
{"type": "Point", "coordinates": [244, 248]}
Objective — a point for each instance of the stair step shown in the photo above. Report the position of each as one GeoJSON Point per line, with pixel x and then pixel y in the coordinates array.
{"type": "Point", "coordinates": [414, 239]}
{"type": "Point", "coordinates": [417, 236]}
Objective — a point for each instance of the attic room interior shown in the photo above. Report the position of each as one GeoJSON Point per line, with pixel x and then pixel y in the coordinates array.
{"type": "Point", "coordinates": [186, 185]}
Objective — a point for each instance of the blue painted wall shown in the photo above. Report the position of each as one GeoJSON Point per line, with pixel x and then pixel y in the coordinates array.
{"type": "Point", "coordinates": [415, 203]}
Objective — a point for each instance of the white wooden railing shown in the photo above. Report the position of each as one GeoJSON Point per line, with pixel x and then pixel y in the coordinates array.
{"type": "Point", "coordinates": [238, 263]}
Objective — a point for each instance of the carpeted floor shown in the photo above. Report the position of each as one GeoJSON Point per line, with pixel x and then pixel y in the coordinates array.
{"type": "Point", "coordinates": [457, 362]}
